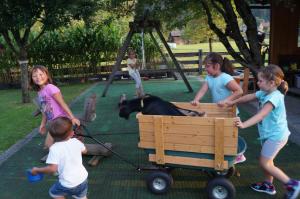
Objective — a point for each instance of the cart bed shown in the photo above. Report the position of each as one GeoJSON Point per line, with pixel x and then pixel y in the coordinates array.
{"type": "Point", "coordinates": [210, 141]}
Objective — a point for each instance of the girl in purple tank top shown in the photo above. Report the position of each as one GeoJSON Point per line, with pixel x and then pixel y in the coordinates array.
{"type": "Point", "coordinates": [50, 100]}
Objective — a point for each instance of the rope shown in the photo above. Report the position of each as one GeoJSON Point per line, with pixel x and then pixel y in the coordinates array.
{"type": "Point", "coordinates": [137, 167]}
{"type": "Point", "coordinates": [143, 50]}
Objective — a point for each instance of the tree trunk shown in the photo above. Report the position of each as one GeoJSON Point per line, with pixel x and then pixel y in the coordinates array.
{"type": "Point", "coordinates": [248, 47]}
{"type": "Point", "coordinates": [23, 62]}
{"type": "Point", "coordinates": [210, 44]}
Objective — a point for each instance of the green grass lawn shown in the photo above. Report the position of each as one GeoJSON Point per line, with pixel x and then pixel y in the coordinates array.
{"type": "Point", "coordinates": [16, 119]}
{"type": "Point", "coordinates": [216, 47]}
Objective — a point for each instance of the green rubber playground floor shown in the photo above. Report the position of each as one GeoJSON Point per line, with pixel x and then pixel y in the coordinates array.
{"type": "Point", "coordinates": [115, 179]}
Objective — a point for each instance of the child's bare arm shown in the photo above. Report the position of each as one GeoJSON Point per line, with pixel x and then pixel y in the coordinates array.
{"type": "Point", "coordinates": [267, 108]}
{"type": "Point", "coordinates": [243, 99]}
{"type": "Point", "coordinates": [42, 128]}
{"type": "Point", "coordinates": [60, 100]}
{"type": "Point", "coordinates": [200, 94]}
{"type": "Point", "coordinates": [237, 91]}
{"type": "Point", "coordinates": [51, 168]}
{"type": "Point", "coordinates": [84, 151]}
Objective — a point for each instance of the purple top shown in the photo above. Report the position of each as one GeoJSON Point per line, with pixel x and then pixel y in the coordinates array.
{"type": "Point", "coordinates": [48, 104]}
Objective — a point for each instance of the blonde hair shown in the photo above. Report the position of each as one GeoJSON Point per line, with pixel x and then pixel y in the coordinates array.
{"type": "Point", "coordinates": [274, 73]}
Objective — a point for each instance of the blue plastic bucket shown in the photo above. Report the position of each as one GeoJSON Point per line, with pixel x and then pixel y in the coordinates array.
{"type": "Point", "coordinates": [34, 178]}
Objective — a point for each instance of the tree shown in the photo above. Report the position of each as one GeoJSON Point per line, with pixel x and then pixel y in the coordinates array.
{"type": "Point", "coordinates": [18, 18]}
{"type": "Point", "coordinates": [232, 12]}
{"type": "Point", "coordinates": [223, 18]}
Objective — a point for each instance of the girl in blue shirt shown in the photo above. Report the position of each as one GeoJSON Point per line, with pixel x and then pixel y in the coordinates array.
{"type": "Point", "coordinates": [220, 83]}
{"type": "Point", "coordinates": [272, 127]}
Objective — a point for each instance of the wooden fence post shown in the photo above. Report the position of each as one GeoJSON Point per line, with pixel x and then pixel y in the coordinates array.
{"type": "Point", "coordinates": [200, 61]}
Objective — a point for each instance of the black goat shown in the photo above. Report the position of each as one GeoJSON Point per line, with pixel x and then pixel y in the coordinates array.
{"type": "Point", "coordinates": [152, 105]}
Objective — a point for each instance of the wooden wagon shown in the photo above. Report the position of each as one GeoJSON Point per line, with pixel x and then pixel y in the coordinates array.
{"type": "Point", "coordinates": [209, 143]}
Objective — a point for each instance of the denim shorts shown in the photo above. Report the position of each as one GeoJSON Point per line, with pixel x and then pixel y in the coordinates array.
{"type": "Point", "coordinates": [78, 192]}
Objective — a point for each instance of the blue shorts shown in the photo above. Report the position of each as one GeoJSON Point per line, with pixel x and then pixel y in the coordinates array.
{"type": "Point", "coordinates": [78, 192]}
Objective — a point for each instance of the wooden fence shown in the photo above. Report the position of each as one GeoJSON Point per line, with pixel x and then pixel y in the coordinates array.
{"type": "Point", "coordinates": [189, 61]}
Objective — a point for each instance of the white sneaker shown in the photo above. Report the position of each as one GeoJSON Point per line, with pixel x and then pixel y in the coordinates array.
{"type": "Point", "coordinates": [240, 159]}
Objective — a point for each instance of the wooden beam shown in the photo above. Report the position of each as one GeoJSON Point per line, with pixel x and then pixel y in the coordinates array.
{"type": "Point", "coordinates": [219, 143]}
{"type": "Point", "coordinates": [198, 162]}
{"type": "Point", "coordinates": [121, 54]}
{"type": "Point", "coordinates": [246, 81]}
{"type": "Point", "coordinates": [161, 53]}
{"type": "Point", "coordinates": [173, 58]}
{"type": "Point", "coordinates": [159, 140]}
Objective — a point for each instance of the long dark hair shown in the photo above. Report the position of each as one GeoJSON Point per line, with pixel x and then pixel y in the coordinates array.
{"type": "Point", "coordinates": [43, 69]}
{"type": "Point", "coordinates": [225, 64]}
{"type": "Point", "coordinates": [274, 72]}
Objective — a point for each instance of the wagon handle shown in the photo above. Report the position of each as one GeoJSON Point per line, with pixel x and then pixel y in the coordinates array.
{"type": "Point", "coordinates": [137, 167]}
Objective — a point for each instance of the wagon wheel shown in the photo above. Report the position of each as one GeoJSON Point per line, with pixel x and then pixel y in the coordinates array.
{"type": "Point", "coordinates": [220, 188]}
{"type": "Point", "coordinates": [159, 182]}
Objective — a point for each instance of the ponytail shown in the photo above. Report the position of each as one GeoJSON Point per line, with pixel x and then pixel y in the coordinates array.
{"type": "Point", "coordinates": [283, 87]}
{"type": "Point", "coordinates": [227, 66]}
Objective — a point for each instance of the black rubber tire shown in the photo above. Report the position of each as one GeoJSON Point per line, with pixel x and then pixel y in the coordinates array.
{"type": "Point", "coordinates": [229, 173]}
{"type": "Point", "coordinates": [220, 188]}
{"type": "Point", "coordinates": [159, 182]}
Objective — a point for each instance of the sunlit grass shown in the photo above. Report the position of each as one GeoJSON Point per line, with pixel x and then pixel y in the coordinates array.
{"type": "Point", "coordinates": [16, 119]}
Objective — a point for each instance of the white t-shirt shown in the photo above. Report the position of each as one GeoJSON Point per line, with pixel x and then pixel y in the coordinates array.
{"type": "Point", "coordinates": [129, 62]}
{"type": "Point", "coordinates": [67, 156]}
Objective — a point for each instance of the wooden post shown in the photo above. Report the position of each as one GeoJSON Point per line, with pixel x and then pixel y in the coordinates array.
{"type": "Point", "coordinates": [173, 58]}
{"type": "Point", "coordinates": [159, 140]}
{"type": "Point", "coordinates": [121, 54]}
{"type": "Point", "coordinates": [219, 143]}
{"type": "Point", "coordinates": [246, 81]}
{"type": "Point", "coordinates": [162, 54]}
{"type": "Point", "coordinates": [200, 61]}
{"type": "Point", "coordinates": [210, 44]}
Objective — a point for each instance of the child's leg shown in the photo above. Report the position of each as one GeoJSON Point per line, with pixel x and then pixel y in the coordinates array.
{"type": "Point", "coordinates": [272, 171]}
{"type": "Point", "coordinates": [57, 191]}
{"type": "Point", "coordinates": [269, 151]}
{"type": "Point", "coordinates": [138, 83]}
{"type": "Point", "coordinates": [48, 141]}
{"type": "Point", "coordinates": [135, 78]}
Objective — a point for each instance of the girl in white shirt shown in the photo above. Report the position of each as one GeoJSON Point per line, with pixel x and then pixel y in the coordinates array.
{"type": "Point", "coordinates": [133, 71]}
{"type": "Point", "coordinates": [65, 158]}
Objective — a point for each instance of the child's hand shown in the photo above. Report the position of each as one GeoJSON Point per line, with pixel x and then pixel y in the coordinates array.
{"type": "Point", "coordinates": [239, 123]}
{"type": "Point", "coordinates": [42, 129]}
{"type": "Point", "coordinates": [75, 121]}
{"type": "Point", "coordinates": [222, 103]}
{"type": "Point", "coordinates": [195, 102]}
{"type": "Point", "coordinates": [229, 103]}
{"type": "Point", "coordinates": [34, 171]}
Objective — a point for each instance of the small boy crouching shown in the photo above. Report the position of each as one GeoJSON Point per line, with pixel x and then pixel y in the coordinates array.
{"type": "Point", "coordinates": [65, 158]}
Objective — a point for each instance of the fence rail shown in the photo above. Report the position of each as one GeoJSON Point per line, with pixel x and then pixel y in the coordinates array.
{"type": "Point", "coordinates": [190, 62]}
